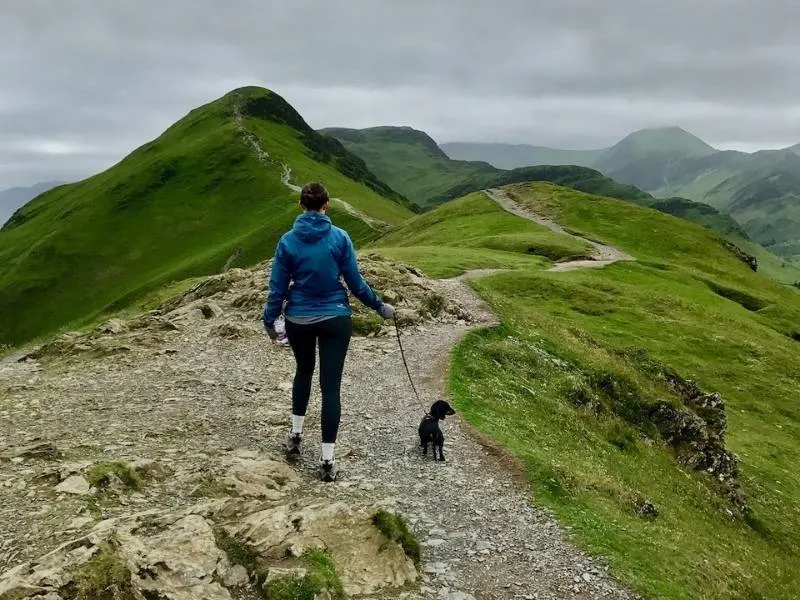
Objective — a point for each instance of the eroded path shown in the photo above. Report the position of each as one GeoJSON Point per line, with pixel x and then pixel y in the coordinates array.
{"type": "Point", "coordinates": [603, 253]}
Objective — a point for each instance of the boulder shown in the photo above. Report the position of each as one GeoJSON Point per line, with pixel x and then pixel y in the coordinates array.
{"type": "Point", "coordinates": [260, 478]}
{"type": "Point", "coordinates": [711, 408]}
{"type": "Point", "coordinates": [76, 485]}
{"type": "Point", "coordinates": [695, 442]}
{"type": "Point", "coordinates": [178, 563]}
{"type": "Point", "coordinates": [236, 576]}
{"type": "Point", "coordinates": [367, 560]}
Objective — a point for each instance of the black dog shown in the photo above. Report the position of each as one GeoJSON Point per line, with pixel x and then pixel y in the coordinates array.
{"type": "Point", "coordinates": [429, 432]}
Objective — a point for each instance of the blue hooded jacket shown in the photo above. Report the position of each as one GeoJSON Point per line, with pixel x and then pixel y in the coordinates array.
{"type": "Point", "coordinates": [306, 270]}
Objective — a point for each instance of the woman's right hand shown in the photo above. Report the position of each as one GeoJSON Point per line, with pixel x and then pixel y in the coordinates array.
{"type": "Point", "coordinates": [387, 311]}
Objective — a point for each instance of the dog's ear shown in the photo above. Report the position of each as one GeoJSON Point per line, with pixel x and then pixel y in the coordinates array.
{"type": "Point", "coordinates": [441, 409]}
{"type": "Point", "coordinates": [436, 410]}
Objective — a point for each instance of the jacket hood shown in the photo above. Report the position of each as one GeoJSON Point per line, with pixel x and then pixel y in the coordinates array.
{"type": "Point", "coordinates": [311, 226]}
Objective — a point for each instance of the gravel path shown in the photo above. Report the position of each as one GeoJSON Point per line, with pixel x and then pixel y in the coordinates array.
{"type": "Point", "coordinates": [603, 253]}
{"type": "Point", "coordinates": [189, 398]}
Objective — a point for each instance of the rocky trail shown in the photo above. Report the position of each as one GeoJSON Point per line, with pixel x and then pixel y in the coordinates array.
{"type": "Point", "coordinates": [155, 442]}
{"type": "Point", "coordinates": [603, 253]}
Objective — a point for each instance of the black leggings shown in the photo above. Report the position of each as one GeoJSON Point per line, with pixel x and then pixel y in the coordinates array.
{"type": "Point", "coordinates": [334, 339]}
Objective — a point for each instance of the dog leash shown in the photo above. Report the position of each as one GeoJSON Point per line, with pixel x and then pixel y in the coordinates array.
{"type": "Point", "coordinates": [405, 363]}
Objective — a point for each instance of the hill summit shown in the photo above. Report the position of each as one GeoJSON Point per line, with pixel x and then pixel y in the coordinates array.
{"type": "Point", "coordinates": [213, 191]}
{"type": "Point", "coordinates": [662, 141]}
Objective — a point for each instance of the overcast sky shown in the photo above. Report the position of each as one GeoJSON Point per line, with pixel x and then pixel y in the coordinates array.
{"type": "Point", "coordinates": [86, 81]}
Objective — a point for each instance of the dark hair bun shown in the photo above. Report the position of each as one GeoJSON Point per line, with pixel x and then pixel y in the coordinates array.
{"type": "Point", "coordinates": [313, 196]}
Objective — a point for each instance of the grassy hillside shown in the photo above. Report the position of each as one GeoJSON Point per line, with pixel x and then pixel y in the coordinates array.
{"type": "Point", "coordinates": [513, 156]}
{"type": "Point", "coordinates": [409, 161]}
{"type": "Point", "coordinates": [569, 381]}
{"type": "Point", "coordinates": [206, 193]}
{"type": "Point", "coordinates": [474, 232]}
{"type": "Point", "coordinates": [760, 191]}
{"type": "Point", "coordinates": [579, 178]}
{"type": "Point", "coordinates": [412, 163]}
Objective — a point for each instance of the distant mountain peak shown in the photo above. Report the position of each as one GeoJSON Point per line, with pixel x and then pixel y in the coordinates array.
{"type": "Point", "coordinates": [647, 144]}
{"type": "Point", "coordinates": [669, 139]}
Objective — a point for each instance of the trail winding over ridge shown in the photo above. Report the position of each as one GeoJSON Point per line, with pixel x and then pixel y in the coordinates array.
{"type": "Point", "coordinates": [603, 253]}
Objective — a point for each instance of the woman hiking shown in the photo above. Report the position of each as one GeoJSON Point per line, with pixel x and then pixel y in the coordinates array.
{"type": "Point", "coordinates": [310, 262]}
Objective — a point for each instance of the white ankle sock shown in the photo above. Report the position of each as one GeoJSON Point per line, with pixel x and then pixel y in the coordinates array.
{"type": "Point", "coordinates": [297, 423]}
{"type": "Point", "coordinates": [327, 451]}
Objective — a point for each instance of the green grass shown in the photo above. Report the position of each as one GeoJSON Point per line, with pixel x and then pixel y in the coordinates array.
{"type": "Point", "coordinates": [321, 575]}
{"type": "Point", "coordinates": [178, 207]}
{"type": "Point", "coordinates": [562, 384]}
{"type": "Point", "coordinates": [99, 475]}
{"type": "Point", "coordinates": [238, 553]}
{"type": "Point", "coordinates": [364, 324]}
{"type": "Point", "coordinates": [105, 576]}
{"type": "Point", "coordinates": [477, 223]}
{"type": "Point", "coordinates": [446, 261]}
{"type": "Point", "coordinates": [394, 527]}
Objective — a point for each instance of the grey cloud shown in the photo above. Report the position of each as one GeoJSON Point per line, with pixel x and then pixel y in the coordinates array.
{"type": "Point", "coordinates": [97, 79]}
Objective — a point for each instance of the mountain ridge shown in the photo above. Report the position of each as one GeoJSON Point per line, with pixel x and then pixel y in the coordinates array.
{"type": "Point", "coordinates": [670, 162]}
{"type": "Point", "coordinates": [391, 154]}
{"type": "Point", "coordinates": [209, 192]}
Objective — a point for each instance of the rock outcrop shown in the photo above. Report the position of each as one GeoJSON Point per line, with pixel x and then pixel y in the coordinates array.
{"type": "Point", "coordinates": [750, 261]}
{"type": "Point", "coordinates": [231, 305]}
{"type": "Point", "coordinates": [696, 429]}
{"type": "Point", "coordinates": [258, 533]}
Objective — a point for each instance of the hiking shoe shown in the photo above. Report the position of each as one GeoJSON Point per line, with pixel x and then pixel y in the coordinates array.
{"type": "Point", "coordinates": [328, 471]}
{"type": "Point", "coordinates": [292, 447]}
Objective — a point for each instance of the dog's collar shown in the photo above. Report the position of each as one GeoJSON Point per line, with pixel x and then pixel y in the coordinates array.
{"type": "Point", "coordinates": [430, 416]}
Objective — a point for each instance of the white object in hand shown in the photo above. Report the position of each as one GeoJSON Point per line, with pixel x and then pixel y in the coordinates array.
{"type": "Point", "coordinates": [280, 326]}
{"type": "Point", "coordinates": [280, 330]}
